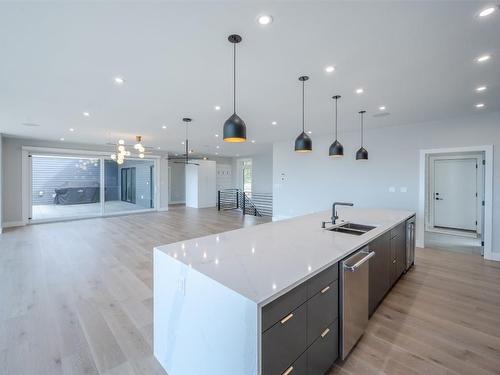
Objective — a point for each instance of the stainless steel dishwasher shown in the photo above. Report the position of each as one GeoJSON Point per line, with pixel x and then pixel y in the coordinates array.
{"type": "Point", "coordinates": [354, 299]}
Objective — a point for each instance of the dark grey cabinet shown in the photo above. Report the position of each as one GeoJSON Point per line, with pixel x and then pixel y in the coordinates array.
{"type": "Point", "coordinates": [284, 342]}
{"type": "Point", "coordinates": [300, 329]}
{"type": "Point", "coordinates": [322, 310]}
{"type": "Point", "coordinates": [387, 265]}
{"type": "Point", "coordinates": [380, 270]}
{"type": "Point", "coordinates": [321, 352]}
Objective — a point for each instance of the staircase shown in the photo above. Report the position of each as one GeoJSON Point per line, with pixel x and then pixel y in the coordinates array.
{"type": "Point", "coordinates": [256, 204]}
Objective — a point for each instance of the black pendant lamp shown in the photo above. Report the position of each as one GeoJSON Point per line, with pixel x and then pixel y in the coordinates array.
{"type": "Point", "coordinates": [235, 129]}
{"type": "Point", "coordinates": [303, 142]}
{"type": "Point", "coordinates": [362, 154]}
{"type": "Point", "coordinates": [336, 148]}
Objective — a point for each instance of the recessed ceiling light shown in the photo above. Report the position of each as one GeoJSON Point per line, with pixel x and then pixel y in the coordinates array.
{"type": "Point", "coordinates": [265, 19]}
{"type": "Point", "coordinates": [360, 91]}
{"type": "Point", "coordinates": [217, 147]}
{"type": "Point", "coordinates": [216, 135]}
{"type": "Point", "coordinates": [274, 123]}
{"type": "Point", "coordinates": [71, 129]}
{"type": "Point", "coordinates": [309, 132]}
{"type": "Point", "coordinates": [487, 12]}
{"type": "Point", "coordinates": [164, 127]}
{"type": "Point", "coordinates": [330, 69]}
{"type": "Point", "coordinates": [381, 108]}
{"type": "Point", "coordinates": [86, 114]}
{"type": "Point", "coordinates": [158, 147]}
{"type": "Point", "coordinates": [253, 140]}
{"type": "Point", "coordinates": [216, 153]}
{"type": "Point", "coordinates": [182, 142]}
{"type": "Point", "coordinates": [217, 107]}
{"type": "Point", "coordinates": [483, 58]}
{"type": "Point", "coordinates": [481, 88]}
{"type": "Point", "coordinates": [479, 105]}
{"type": "Point", "coordinates": [61, 139]}
{"type": "Point", "coordinates": [119, 80]}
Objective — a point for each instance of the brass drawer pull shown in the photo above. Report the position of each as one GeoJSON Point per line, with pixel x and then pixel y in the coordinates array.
{"type": "Point", "coordinates": [288, 371]}
{"type": "Point", "coordinates": [286, 319]}
{"type": "Point", "coordinates": [325, 332]}
{"type": "Point", "coordinates": [324, 290]}
{"type": "Point", "coordinates": [394, 261]}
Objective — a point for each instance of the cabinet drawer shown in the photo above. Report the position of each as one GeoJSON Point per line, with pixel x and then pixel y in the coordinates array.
{"type": "Point", "coordinates": [324, 351]}
{"type": "Point", "coordinates": [284, 342]}
{"type": "Point", "coordinates": [281, 307]}
{"type": "Point", "coordinates": [299, 367]}
{"type": "Point", "coordinates": [322, 310]}
{"type": "Point", "coordinates": [399, 230]}
{"type": "Point", "coordinates": [318, 282]}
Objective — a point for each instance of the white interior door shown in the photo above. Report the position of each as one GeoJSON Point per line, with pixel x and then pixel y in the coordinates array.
{"type": "Point", "coordinates": [455, 193]}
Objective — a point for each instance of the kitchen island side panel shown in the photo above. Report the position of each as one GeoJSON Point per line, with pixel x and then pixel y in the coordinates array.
{"type": "Point", "coordinates": [201, 326]}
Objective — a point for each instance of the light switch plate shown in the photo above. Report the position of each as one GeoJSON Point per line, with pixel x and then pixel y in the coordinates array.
{"type": "Point", "coordinates": [392, 189]}
{"type": "Point", "coordinates": [403, 189]}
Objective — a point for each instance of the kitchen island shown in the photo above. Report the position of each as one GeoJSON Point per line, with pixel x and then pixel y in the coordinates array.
{"type": "Point", "coordinates": [220, 300]}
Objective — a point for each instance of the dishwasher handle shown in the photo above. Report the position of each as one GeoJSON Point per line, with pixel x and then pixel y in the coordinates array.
{"type": "Point", "coordinates": [358, 264]}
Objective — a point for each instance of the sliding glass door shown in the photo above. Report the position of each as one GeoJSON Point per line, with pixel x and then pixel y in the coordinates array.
{"type": "Point", "coordinates": [129, 186]}
{"type": "Point", "coordinates": [71, 187]}
{"type": "Point", "coordinates": [64, 187]}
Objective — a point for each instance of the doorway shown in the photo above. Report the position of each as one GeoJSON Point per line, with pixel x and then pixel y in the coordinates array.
{"type": "Point", "coordinates": [456, 193]}
{"type": "Point", "coordinates": [128, 185]}
{"type": "Point", "coordinates": [455, 200]}
{"type": "Point", "coordinates": [245, 175]}
{"type": "Point", "coordinates": [74, 184]}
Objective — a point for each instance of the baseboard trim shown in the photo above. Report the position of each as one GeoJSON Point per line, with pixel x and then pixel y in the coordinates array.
{"type": "Point", "coordinates": [177, 202]}
{"type": "Point", "coordinates": [163, 209]}
{"type": "Point", "coordinates": [493, 256]}
{"type": "Point", "coordinates": [12, 224]}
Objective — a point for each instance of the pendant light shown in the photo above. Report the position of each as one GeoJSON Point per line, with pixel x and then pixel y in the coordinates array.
{"type": "Point", "coordinates": [186, 121]}
{"type": "Point", "coordinates": [336, 148]}
{"type": "Point", "coordinates": [303, 142]}
{"type": "Point", "coordinates": [235, 129]}
{"type": "Point", "coordinates": [362, 154]}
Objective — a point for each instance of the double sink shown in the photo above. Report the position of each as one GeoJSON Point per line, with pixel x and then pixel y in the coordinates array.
{"type": "Point", "coordinates": [352, 228]}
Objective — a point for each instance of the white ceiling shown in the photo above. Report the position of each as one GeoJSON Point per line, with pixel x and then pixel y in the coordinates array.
{"type": "Point", "coordinates": [416, 58]}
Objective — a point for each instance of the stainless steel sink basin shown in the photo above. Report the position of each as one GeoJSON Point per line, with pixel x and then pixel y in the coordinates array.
{"type": "Point", "coordinates": [352, 228]}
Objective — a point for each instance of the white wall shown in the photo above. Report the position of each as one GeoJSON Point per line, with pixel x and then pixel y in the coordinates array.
{"type": "Point", "coordinates": [12, 176]}
{"type": "Point", "coordinates": [1, 183]}
{"type": "Point", "coordinates": [177, 182]}
{"type": "Point", "coordinates": [262, 172]}
{"type": "Point", "coordinates": [201, 184]}
{"type": "Point", "coordinates": [304, 183]}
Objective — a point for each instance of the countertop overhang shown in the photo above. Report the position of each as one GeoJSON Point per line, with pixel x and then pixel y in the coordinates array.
{"type": "Point", "coordinates": [263, 262]}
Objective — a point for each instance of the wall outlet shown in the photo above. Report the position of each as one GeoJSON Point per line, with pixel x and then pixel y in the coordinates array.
{"type": "Point", "coordinates": [403, 189]}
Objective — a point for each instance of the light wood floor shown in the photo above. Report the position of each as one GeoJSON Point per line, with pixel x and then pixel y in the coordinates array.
{"type": "Point", "coordinates": [442, 317]}
{"type": "Point", "coordinates": [76, 298]}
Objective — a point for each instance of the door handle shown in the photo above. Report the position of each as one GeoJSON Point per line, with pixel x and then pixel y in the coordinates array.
{"type": "Point", "coordinates": [286, 318]}
{"type": "Point", "coordinates": [358, 264]}
{"type": "Point", "coordinates": [439, 199]}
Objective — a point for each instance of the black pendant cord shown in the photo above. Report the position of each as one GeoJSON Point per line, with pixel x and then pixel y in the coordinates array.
{"type": "Point", "coordinates": [187, 144]}
{"type": "Point", "coordinates": [234, 78]}
{"type": "Point", "coordinates": [362, 131]}
{"type": "Point", "coordinates": [303, 116]}
{"type": "Point", "coordinates": [336, 99]}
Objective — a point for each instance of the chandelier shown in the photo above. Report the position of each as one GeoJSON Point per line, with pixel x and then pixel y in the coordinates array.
{"type": "Point", "coordinates": [122, 152]}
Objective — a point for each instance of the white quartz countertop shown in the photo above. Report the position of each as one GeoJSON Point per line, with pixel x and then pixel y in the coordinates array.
{"type": "Point", "coordinates": [265, 261]}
